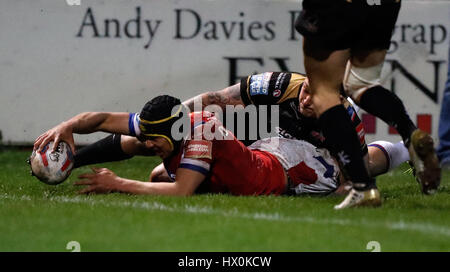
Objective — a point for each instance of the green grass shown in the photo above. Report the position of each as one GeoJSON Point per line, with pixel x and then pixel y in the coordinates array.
{"type": "Point", "coordinates": [39, 217]}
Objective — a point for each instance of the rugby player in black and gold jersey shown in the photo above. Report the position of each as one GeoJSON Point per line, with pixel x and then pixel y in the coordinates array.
{"type": "Point", "coordinates": [289, 92]}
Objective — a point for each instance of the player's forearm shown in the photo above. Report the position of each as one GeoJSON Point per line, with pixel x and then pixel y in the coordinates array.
{"type": "Point", "coordinates": [228, 96]}
{"type": "Point", "coordinates": [195, 103]}
{"type": "Point", "coordinates": [148, 188]}
{"type": "Point", "coordinates": [201, 101]}
{"type": "Point", "coordinates": [86, 122]}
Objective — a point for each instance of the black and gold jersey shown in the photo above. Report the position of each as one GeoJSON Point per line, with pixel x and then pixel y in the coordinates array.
{"type": "Point", "coordinates": [283, 89]}
{"type": "Point", "coordinates": [271, 88]}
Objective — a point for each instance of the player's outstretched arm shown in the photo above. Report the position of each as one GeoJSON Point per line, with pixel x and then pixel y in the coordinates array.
{"type": "Point", "coordinates": [84, 123]}
{"type": "Point", "coordinates": [104, 180]}
{"type": "Point", "coordinates": [228, 96]}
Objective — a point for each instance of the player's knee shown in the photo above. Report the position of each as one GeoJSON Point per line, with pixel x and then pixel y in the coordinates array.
{"type": "Point", "coordinates": [154, 175]}
{"type": "Point", "coordinates": [358, 80]}
{"type": "Point", "coordinates": [386, 156]}
{"type": "Point", "coordinates": [378, 158]}
{"type": "Point", "coordinates": [159, 174]}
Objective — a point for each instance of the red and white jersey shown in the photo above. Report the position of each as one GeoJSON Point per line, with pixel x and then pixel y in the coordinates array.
{"type": "Point", "coordinates": [310, 170]}
{"type": "Point", "coordinates": [229, 166]}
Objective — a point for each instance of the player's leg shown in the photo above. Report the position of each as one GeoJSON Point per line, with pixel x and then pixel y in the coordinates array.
{"type": "Point", "coordinates": [385, 156]}
{"type": "Point", "coordinates": [325, 60]}
{"type": "Point", "coordinates": [444, 124]}
{"type": "Point", "coordinates": [382, 157]}
{"type": "Point", "coordinates": [325, 77]}
{"type": "Point", "coordinates": [361, 82]}
{"type": "Point", "coordinates": [114, 147]}
{"type": "Point", "coordinates": [362, 77]}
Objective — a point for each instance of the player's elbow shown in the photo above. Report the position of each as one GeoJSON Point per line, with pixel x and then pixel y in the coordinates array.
{"type": "Point", "coordinates": [209, 98]}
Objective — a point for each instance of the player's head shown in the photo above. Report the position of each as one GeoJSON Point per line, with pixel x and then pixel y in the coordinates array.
{"type": "Point", "coordinates": [156, 120]}
{"type": "Point", "coordinates": [306, 104]}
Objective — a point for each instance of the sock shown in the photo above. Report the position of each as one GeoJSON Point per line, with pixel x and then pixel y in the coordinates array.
{"type": "Point", "coordinates": [107, 149]}
{"type": "Point", "coordinates": [343, 142]}
{"type": "Point", "coordinates": [388, 107]}
{"type": "Point", "coordinates": [396, 154]}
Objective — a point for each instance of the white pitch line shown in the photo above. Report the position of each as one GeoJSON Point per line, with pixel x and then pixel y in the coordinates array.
{"type": "Point", "coordinates": [425, 228]}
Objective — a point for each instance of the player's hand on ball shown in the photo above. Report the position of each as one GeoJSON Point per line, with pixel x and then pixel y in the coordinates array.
{"type": "Point", "coordinates": [101, 181]}
{"type": "Point", "coordinates": [52, 167]}
{"type": "Point", "coordinates": [62, 132]}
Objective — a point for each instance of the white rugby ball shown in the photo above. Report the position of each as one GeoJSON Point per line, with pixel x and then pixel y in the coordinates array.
{"type": "Point", "coordinates": [52, 167]}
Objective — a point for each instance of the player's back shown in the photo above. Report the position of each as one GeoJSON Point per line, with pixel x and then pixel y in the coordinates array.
{"type": "Point", "coordinates": [310, 170]}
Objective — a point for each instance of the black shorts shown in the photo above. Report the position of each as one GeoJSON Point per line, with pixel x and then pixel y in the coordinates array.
{"type": "Point", "coordinates": [342, 24]}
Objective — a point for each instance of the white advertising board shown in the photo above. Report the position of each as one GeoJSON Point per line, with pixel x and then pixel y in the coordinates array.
{"type": "Point", "coordinates": [58, 58]}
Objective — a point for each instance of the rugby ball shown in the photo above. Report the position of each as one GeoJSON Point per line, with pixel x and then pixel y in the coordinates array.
{"type": "Point", "coordinates": [52, 167]}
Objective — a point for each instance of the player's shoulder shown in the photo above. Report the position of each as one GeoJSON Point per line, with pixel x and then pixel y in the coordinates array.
{"type": "Point", "coordinates": [207, 126]}
{"type": "Point", "coordinates": [207, 134]}
{"type": "Point", "coordinates": [202, 118]}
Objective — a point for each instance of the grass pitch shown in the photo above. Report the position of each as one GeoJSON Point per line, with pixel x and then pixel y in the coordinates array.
{"type": "Point", "coordinates": [38, 217]}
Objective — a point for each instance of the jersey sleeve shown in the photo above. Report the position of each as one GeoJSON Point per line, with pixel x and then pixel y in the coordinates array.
{"type": "Point", "coordinates": [197, 156]}
{"type": "Point", "coordinates": [133, 124]}
{"type": "Point", "coordinates": [270, 88]}
{"type": "Point", "coordinates": [197, 150]}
